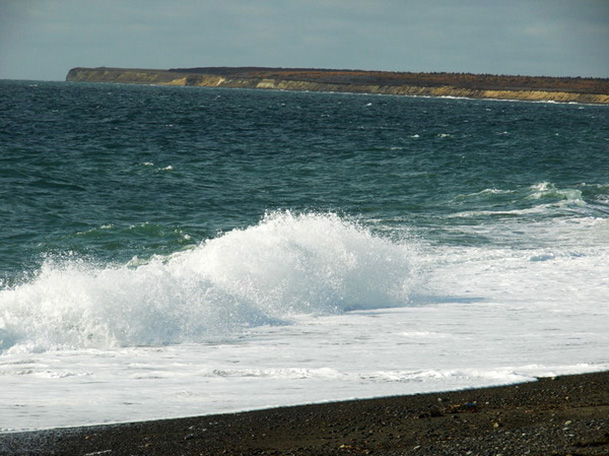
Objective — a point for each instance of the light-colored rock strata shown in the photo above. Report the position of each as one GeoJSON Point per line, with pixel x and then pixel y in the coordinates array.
{"type": "Point", "coordinates": [176, 78]}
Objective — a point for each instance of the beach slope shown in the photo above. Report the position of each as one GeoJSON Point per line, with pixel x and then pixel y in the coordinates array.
{"type": "Point", "coordinates": [553, 416]}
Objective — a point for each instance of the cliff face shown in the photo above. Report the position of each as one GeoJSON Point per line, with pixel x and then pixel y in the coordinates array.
{"type": "Point", "coordinates": [119, 75]}
{"type": "Point", "coordinates": [414, 84]}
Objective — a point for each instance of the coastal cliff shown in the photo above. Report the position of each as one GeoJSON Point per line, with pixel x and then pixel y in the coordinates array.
{"type": "Point", "coordinates": [579, 90]}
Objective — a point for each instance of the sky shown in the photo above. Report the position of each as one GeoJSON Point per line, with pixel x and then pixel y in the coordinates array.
{"type": "Point", "coordinates": [43, 39]}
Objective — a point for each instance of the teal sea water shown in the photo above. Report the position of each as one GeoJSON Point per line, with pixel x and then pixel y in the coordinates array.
{"type": "Point", "coordinates": [172, 251]}
{"type": "Point", "coordinates": [104, 173]}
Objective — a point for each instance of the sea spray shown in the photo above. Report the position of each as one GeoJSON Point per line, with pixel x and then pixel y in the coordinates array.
{"type": "Point", "coordinates": [286, 265]}
{"type": "Point", "coordinates": [508, 202]}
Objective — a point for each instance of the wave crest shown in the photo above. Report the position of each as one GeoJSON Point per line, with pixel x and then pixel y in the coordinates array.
{"type": "Point", "coordinates": [286, 265]}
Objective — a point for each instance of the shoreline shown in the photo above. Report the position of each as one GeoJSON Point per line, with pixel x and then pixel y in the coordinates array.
{"type": "Point", "coordinates": [459, 85]}
{"type": "Point", "coordinates": [559, 416]}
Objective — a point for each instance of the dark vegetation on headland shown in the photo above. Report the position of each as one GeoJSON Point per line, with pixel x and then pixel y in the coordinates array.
{"type": "Point", "coordinates": [534, 88]}
{"type": "Point", "coordinates": [465, 80]}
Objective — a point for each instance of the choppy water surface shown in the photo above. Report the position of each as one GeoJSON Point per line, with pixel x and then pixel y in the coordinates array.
{"type": "Point", "coordinates": [179, 251]}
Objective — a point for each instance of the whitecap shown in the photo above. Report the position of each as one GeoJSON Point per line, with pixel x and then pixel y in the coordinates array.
{"type": "Point", "coordinates": [288, 264]}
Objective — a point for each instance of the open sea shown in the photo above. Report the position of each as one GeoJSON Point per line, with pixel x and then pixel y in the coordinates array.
{"type": "Point", "coordinates": [175, 251]}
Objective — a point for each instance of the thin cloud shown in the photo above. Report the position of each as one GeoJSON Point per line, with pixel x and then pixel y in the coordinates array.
{"type": "Point", "coordinates": [42, 39]}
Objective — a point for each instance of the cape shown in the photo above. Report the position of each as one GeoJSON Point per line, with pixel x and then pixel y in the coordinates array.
{"type": "Point", "coordinates": [466, 85]}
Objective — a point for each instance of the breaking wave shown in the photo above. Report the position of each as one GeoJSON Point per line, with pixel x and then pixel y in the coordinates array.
{"type": "Point", "coordinates": [286, 265]}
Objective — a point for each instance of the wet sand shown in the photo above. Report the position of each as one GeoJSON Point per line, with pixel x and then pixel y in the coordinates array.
{"type": "Point", "coordinates": [566, 415]}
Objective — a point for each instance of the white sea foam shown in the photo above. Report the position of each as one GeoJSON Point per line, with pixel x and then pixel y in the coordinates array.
{"type": "Point", "coordinates": [294, 310]}
{"type": "Point", "coordinates": [286, 265]}
{"type": "Point", "coordinates": [548, 190]}
{"type": "Point", "coordinates": [545, 190]}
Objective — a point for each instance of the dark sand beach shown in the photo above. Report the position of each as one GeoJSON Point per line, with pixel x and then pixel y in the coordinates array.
{"type": "Point", "coordinates": [566, 415]}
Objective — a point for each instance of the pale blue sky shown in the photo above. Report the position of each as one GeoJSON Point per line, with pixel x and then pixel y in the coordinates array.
{"type": "Point", "coordinates": [43, 39]}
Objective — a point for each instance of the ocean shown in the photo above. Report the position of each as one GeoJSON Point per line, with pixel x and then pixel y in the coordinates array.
{"type": "Point", "coordinates": [178, 251]}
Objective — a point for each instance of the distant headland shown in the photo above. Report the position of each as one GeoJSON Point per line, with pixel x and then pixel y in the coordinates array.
{"type": "Point", "coordinates": [529, 88]}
